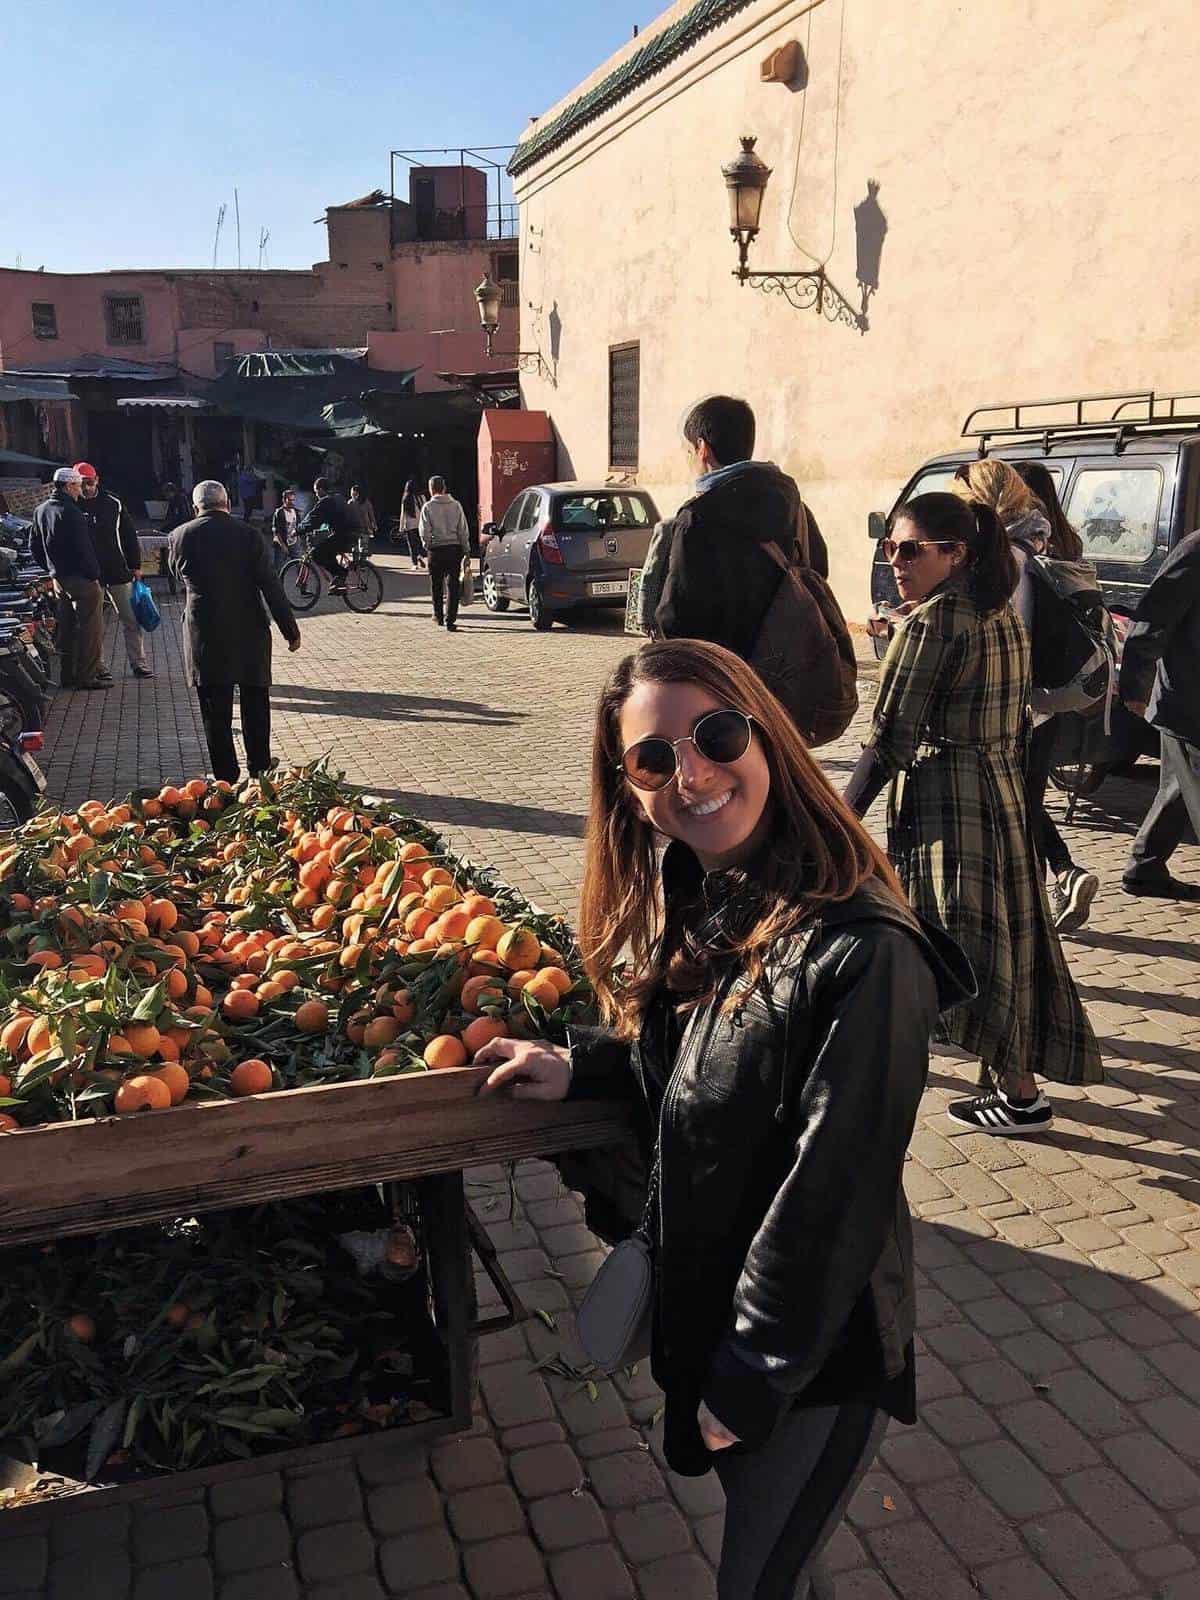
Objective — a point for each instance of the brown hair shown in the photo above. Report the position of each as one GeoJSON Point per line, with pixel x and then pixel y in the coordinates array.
{"type": "Point", "coordinates": [996, 484]}
{"type": "Point", "coordinates": [820, 852]}
{"type": "Point", "coordinates": [1064, 542]}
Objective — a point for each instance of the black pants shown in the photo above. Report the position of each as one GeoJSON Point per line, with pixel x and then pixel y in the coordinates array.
{"type": "Point", "coordinates": [80, 629]}
{"type": "Point", "coordinates": [416, 549]}
{"type": "Point", "coordinates": [445, 572]}
{"type": "Point", "coordinates": [330, 548]}
{"type": "Point", "coordinates": [785, 1499]}
{"type": "Point", "coordinates": [216, 711]}
{"type": "Point", "coordinates": [1176, 803]}
{"type": "Point", "coordinates": [1047, 841]}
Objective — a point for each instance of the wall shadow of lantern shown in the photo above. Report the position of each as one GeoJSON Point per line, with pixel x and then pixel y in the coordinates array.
{"type": "Point", "coordinates": [555, 325]}
{"type": "Point", "coordinates": [870, 230]}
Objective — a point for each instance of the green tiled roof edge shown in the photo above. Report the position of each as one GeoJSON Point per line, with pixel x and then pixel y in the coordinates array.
{"type": "Point", "coordinates": [654, 55]}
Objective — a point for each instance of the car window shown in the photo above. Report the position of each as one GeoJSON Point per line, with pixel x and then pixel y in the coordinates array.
{"type": "Point", "coordinates": [591, 513]}
{"type": "Point", "coordinates": [940, 478]}
{"type": "Point", "coordinates": [529, 512]}
{"type": "Point", "coordinates": [513, 512]}
{"type": "Point", "coordinates": [1115, 510]}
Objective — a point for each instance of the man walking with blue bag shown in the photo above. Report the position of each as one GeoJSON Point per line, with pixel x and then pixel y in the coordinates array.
{"type": "Point", "coordinates": [119, 556]}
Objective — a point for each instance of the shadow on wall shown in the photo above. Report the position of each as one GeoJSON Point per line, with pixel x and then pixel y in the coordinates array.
{"type": "Point", "coordinates": [870, 230]}
{"type": "Point", "coordinates": [555, 324]}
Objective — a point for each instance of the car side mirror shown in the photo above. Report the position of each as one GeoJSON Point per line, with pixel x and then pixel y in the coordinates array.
{"type": "Point", "coordinates": [877, 525]}
{"type": "Point", "coordinates": [488, 531]}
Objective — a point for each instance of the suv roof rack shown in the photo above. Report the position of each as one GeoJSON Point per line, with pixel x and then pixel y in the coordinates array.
{"type": "Point", "coordinates": [1089, 415]}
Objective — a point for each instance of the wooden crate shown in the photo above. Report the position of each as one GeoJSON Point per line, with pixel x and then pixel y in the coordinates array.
{"type": "Point", "coordinates": [445, 1235]}
{"type": "Point", "coordinates": [112, 1172]}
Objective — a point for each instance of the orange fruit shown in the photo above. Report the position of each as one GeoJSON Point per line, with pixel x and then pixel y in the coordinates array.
{"type": "Point", "coordinates": [161, 915]}
{"type": "Point", "coordinates": [381, 1031]}
{"type": "Point", "coordinates": [187, 942]}
{"type": "Point", "coordinates": [447, 1050]}
{"type": "Point", "coordinates": [146, 1092]}
{"type": "Point", "coordinates": [143, 1037]}
{"type": "Point", "coordinates": [240, 1004]}
{"type": "Point", "coordinates": [418, 921]}
{"type": "Point", "coordinates": [81, 1327]}
{"type": "Point", "coordinates": [285, 980]}
{"type": "Point", "coordinates": [119, 1045]}
{"type": "Point", "coordinates": [14, 1032]}
{"type": "Point", "coordinates": [39, 1036]}
{"type": "Point", "coordinates": [312, 1017]}
{"type": "Point", "coordinates": [518, 948]}
{"type": "Point", "coordinates": [486, 960]}
{"type": "Point", "coordinates": [322, 917]}
{"type": "Point", "coordinates": [177, 1314]}
{"type": "Point", "coordinates": [482, 1031]}
{"type": "Point", "coordinates": [176, 983]}
{"type": "Point", "coordinates": [203, 996]}
{"type": "Point", "coordinates": [481, 991]}
{"type": "Point", "coordinates": [402, 1007]}
{"type": "Point", "coordinates": [544, 990]}
{"type": "Point", "coordinates": [5, 1086]}
{"type": "Point", "coordinates": [269, 991]}
{"type": "Point", "coordinates": [8, 1124]}
{"type": "Point", "coordinates": [442, 895]}
{"type": "Point", "coordinates": [518, 980]}
{"type": "Point", "coordinates": [453, 924]}
{"type": "Point", "coordinates": [176, 1079]}
{"type": "Point", "coordinates": [558, 977]}
{"type": "Point", "coordinates": [413, 852]}
{"type": "Point", "coordinates": [251, 1077]}
{"type": "Point", "coordinates": [44, 958]}
{"type": "Point", "coordinates": [167, 1050]}
{"type": "Point", "coordinates": [479, 905]}
{"type": "Point", "coordinates": [485, 930]}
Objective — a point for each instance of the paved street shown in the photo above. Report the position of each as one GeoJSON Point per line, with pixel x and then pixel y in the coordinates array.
{"type": "Point", "coordinates": [1059, 1449]}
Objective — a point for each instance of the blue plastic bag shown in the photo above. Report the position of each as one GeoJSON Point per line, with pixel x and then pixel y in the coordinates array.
{"type": "Point", "coordinates": [143, 605]}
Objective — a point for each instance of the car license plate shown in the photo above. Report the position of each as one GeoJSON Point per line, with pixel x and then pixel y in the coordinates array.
{"type": "Point", "coordinates": [609, 588]}
{"type": "Point", "coordinates": [34, 771]}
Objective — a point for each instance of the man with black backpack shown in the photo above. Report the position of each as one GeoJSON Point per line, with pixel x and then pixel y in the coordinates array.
{"type": "Point", "coordinates": [748, 569]}
{"type": "Point", "coordinates": [1160, 669]}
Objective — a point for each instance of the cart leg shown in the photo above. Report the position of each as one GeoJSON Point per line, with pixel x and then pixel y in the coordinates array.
{"type": "Point", "coordinates": [443, 1205]}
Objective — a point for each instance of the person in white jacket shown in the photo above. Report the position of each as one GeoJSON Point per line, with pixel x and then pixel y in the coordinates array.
{"type": "Point", "coordinates": [446, 540]}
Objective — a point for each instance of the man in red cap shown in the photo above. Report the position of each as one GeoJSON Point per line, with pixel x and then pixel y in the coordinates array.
{"type": "Point", "coordinates": [119, 557]}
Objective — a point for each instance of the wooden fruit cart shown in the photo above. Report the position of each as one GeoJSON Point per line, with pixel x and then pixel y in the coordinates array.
{"type": "Point", "coordinates": [84, 1178]}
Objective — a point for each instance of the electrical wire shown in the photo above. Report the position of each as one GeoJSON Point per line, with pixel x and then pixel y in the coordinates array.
{"type": "Point", "coordinates": [821, 261]}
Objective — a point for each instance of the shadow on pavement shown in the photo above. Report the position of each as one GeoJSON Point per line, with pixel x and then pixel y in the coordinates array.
{"type": "Point", "coordinates": [386, 706]}
{"type": "Point", "coordinates": [466, 812]}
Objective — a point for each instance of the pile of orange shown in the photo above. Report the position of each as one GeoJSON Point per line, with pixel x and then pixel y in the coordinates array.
{"type": "Point", "coordinates": [209, 942]}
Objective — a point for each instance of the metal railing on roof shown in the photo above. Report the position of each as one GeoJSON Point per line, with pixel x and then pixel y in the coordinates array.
{"type": "Point", "coordinates": [1011, 419]}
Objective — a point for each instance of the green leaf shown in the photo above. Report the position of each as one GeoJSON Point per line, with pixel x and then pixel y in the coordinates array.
{"type": "Point", "coordinates": [137, 1407]}
{"type": "Point", "coordinates": [151, 1003]}
{"type": "Point", "coordinates": [99, 889]}
{"type": "Point", "coordinates": [65, 1425]}
{"type": "Point", "coordinates": [106, 1430]}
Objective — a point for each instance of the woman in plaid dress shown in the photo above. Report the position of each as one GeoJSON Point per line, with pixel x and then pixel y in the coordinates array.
{"type": "Point", "coordinates": [948, 735]}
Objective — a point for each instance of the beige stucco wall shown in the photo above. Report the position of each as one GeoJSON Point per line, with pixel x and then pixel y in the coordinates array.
{"type": "Point", "coordinates": [1035, 166]}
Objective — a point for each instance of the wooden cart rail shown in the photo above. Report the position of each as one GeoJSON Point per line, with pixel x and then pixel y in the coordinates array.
{"type": "Point", "coordinates": [115, 1172]}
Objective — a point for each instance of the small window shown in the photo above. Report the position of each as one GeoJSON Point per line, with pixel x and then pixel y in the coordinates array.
{"type": "Point", "coordinates": [124, 319]}
{"type": "Point", "coordinates": [529, 512]}
{"type": "Point", "coordinates": [512, 514]}
{"type": "Point", "coordinates": [223, 354]}
{"type": "Point", "coordinates": [596, 513]}
{"type": "Point", "coordinates": [505, 266]}
{"type": "Point", "coordinates": [624, 380]}
{"type": "Point", "coordinates": [45, 320]}
{"type": "Point", "coordinates": [1115, 510]}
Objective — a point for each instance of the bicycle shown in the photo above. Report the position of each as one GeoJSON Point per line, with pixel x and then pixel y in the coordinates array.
{"type": "Point", "coordinates": [303, 580]}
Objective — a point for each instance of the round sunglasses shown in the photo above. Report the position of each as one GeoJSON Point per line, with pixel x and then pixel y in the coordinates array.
{"type": "Point", "coordinates": [910, 549]}
{"type": "Point", "coordinates": [722, 737]}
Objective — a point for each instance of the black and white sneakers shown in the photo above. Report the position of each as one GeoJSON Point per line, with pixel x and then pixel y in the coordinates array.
{"type": "Point", "coordinates": [995, 1113]}
{"type": "Point", "coordinates": [1071, 896]}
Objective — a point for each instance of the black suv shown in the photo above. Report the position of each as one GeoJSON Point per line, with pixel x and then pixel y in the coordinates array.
{"type": "Point", "coordinates": [1127, 470]}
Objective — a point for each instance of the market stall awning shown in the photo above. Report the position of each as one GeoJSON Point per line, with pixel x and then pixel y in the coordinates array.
{"type": "Point", "coordinates": [166, 402]}
{"type": "Point", "coordinates": [14, 387]}
{"type": "Point", "coordinates": [308, 391]}
{"type": "Point", "coordinates": [14, 458]}
{"type": "Point", "coordinates": [101, 367]}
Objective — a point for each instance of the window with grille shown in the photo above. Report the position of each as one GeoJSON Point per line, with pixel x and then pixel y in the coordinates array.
{"type": "Point", "coordinates": [123, 316]}
{"type": "Point", "coordinates": [624, 373]}
{"type": "Point", "coordinates": [45, 320]}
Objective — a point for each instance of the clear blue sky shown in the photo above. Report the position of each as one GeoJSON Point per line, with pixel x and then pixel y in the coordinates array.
{"type": "Point", "coordinates": [128, 122]}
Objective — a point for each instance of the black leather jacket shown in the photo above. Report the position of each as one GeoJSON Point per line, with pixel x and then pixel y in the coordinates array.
{"type": "Point", "coordinates": [784, 1262]}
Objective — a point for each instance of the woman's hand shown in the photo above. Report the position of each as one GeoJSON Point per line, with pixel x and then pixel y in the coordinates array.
{"type": "Point", "coordinates": [715, 1434]}
{"type": "Point", "coordinates": [533, 1068]}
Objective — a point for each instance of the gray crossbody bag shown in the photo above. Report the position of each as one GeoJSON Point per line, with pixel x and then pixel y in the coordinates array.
{"type": "Point", "coordinates": [616, 1314]}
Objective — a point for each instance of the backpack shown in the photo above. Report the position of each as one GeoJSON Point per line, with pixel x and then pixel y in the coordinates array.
{"type": "Point", "coordinates": [803, 651]}
{"type": "Point", "coordinates": [1074, 647]}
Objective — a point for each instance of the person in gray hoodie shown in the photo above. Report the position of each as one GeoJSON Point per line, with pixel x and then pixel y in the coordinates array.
{"type": "Point", "coordinates": [446, 540]}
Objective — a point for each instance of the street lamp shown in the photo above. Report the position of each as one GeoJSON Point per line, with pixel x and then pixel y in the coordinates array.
{"type": "Point", "coordinates": [746, 182]}
{"type": "Point", "coordinates": [488, 296]}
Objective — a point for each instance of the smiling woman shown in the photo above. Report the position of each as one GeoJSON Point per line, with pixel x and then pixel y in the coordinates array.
{"type": "Point", "coordinates": [773, 1025]}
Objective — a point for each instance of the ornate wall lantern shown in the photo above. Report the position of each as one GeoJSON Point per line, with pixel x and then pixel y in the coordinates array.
{"type": "Point", "coordinates": [746, 179]}
{"type": "Point", "coordinates": [488, 296]}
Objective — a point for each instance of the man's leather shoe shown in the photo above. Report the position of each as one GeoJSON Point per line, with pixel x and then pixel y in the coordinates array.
{"type": "Point", "coordinates": [96, 683]}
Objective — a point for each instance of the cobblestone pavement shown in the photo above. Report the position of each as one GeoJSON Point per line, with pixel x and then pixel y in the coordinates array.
{"type": "Point", "coordinates": [1059, 1448]}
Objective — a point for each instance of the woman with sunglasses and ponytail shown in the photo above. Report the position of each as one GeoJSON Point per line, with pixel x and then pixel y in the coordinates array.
{"type": "Point", "coordinates": [947, 736]}
{"type": "Point", "coordinates": [771, 1026]}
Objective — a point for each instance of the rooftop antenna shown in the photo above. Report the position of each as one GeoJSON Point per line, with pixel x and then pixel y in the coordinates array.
{"type": "Point", "coordinates": [264, 235]}
{"type": "Point", "coordinates": [217, 235]}
{"type": "Point", "coordinates": [237, 218]}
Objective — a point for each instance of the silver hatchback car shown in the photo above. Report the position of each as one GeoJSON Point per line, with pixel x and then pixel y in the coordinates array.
{"type": "Point", "coordinates": [564, 547]}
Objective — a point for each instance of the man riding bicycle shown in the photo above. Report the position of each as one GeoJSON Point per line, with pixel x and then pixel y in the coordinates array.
{"type": "Point", "coordinates": [332, 513]}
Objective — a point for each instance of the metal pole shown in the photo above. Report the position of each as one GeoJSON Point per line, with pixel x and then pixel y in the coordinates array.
{"type": "Point", "coordinates": [237, 216]}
